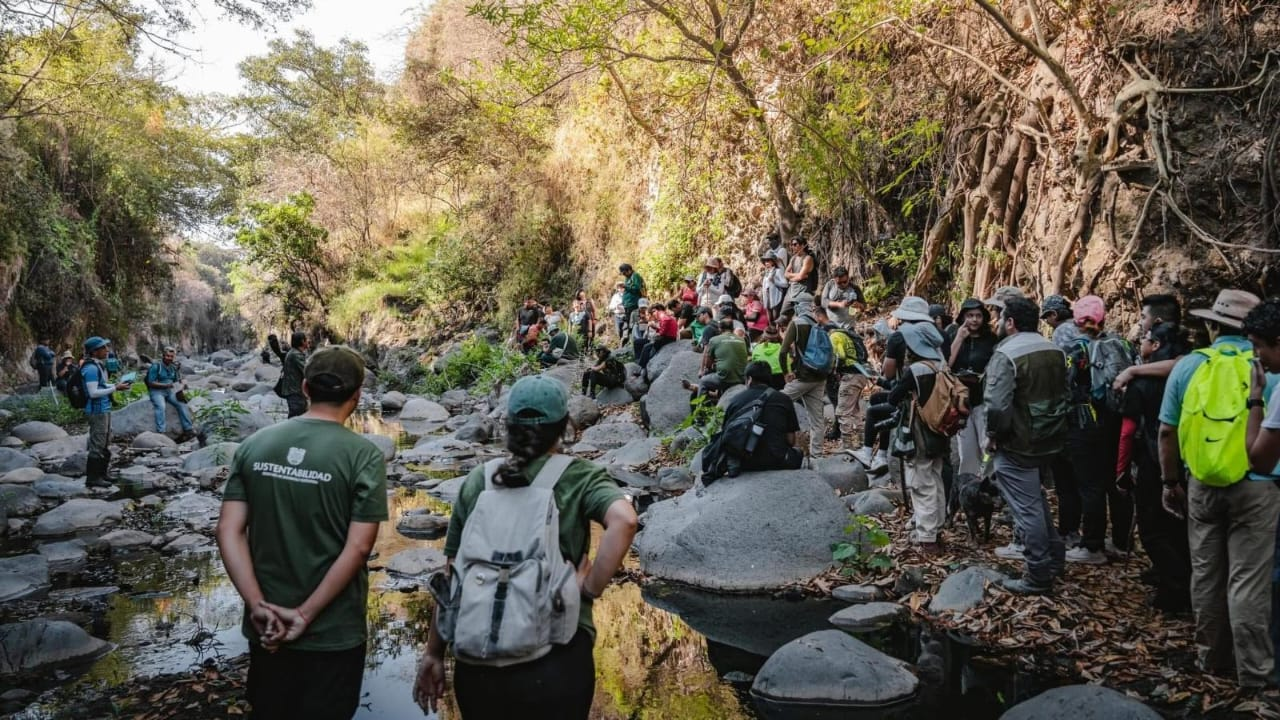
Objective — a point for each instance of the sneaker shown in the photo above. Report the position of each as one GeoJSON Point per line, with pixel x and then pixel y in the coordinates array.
{"type": "Point", "coordinates": [1026, 586]}
{"type": "Point", "coordinates": [1084, 555]}
{"type": "Point", "coordinates": [879, 463]}
{"type": "Point", "coordinates": [1071, 540]}
{"type": "Point", "coordinates": [1012, 551]}
{"type": "Point", "coordinates": [863, 455]}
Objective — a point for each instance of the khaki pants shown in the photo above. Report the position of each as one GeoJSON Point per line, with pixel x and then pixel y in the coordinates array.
{"type": "Point", "coordinates": [971, 440]}
{"type": "Point", "coordinates": [928, 501]}
{"type": "Point", "coordinates": [1232, 533]}
{"type": "Point", "coordinates": [99, 435]}
{"type": "Point", "coordinates": [849, 407]}
{"type": "Point", "coordinates": [811, 393]}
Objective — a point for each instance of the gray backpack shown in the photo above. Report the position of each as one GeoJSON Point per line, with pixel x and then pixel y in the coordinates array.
{"type": "Point", "coordinates": [512, 595]}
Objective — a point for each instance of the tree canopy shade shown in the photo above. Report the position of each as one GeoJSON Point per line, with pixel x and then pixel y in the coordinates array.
{"type": "Point", "coordinates": [280, 240]}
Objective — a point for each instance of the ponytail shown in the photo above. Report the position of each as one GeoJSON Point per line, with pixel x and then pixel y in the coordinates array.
{"type": "Point", "coordinates": [527, 443]}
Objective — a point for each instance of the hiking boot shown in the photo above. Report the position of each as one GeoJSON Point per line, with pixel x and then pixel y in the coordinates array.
{"type": "Point", "coordinates": [1012, 551]}
{"type": "Point", "coordinates": [1026, 586]}
{"type": "Point", "coordinates": [1113, 552]}
{"type": "Point", "coordinates": [688, 385]}
{"type": "Point", "coordinates": [832, 434]}
{"type": "Point", "coordinates": [1086, 556]}
{"type": "Point", "coordinates": [879, 462]}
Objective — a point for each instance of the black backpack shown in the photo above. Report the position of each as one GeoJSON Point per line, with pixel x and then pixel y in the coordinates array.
{"type": "Point", "coordinates": [732, 285]}
{"type": "Point", "coordinates": [738, 438]}
{"type": "Point", "coordinates": [77, 393]}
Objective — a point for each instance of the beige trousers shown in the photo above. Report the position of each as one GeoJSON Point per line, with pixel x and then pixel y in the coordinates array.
{"type": "Point", "coordinates": [811, 394]}
{"type": "Point", "coordinates": [849, 411]}
{"type": "Point", "coordinates": [928, 501]}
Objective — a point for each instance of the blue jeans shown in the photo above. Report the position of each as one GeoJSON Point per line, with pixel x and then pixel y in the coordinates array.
{"type": "Point", "coordinates": [159, 398]}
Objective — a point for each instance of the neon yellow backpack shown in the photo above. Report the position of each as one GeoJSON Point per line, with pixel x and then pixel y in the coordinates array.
{"type": "Point", "coordinates": [1211, 428]}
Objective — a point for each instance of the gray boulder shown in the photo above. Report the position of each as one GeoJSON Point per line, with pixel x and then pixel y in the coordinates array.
{"type": "Point", "coordinates": [11, 459]}
{"type": "Point", "coordinates": [610, 397]}
{"type": "Point", "coordinates": [416, 561]}
{"type": "Point", "coordinates": [153, 441]}
{"type": "Point", "coordinates": [197, 510]}
{"type": "Point", "coordinates": [188, 543]}
{"type": "Point", "coordinates": [634, 454]}
{"type": "Point", "coordinates": [757, 624]}
{"type": "Point", "coordinates": [477, 429]}
{"type": "Point", "coordinates": [19, 501]}
{"type": "Point", "coordinates": [126, 539]}
{"type": "Point", "coordinates": [212, 456]}
{"type": "Point", "coordinates": [659, 363]}
{"type": "Point", "coordinates": [422, 524]}
{"type": "Point", "coordinates": [868, 617]}
{"type": "Point", "coordinates": [139, 416]}
{"type": "Point", "coordinates": [51, 451]}
{"type": "Point", "coordinates": [631, 479]}
{"type": "Point", "coordinates": [583, 411]}
{"type": "Point", "coordinates": [57, 487]}
{"type": "Point", "coordinates": [674, 479]}
{"type": "Point", "coordinates": [832, 669]}
{"type": "Point", "coordinates": [21, 476]}
{"type": "Point", "coordinates": [870, 502]}
{"type": "Point", "coordinates": [857, 593]}
{"type": "Point", "coordinates": [611, 435]}
{"type": "Point", "coordinates": [74, 465]}
{"type": "Point", "coordinates": [384, 444]}
{"type": "Point", "coordinates": [635, 382]}
{"type": "Point", "coordinates": [758, 531]}
{"type": "Point", "coordinates": [455, 400]}
{"type": "Point", "coordinates": [76, 515]}
{"type": "Point", "coordinates": [448, 490]}
{"type": "Point", "coordinates": [842, 473]}
{"type": "Point", "coordinates": [964, 590]}
{"type": "Point", "coordinates": [666, 404]}
{"type": "Point", "coordinates": [222, 357]}
{"type": "Point", "coordinates": [64, 557]}
{"type": "Point", "coordinates": [423, 409]}
{"type": "Point", "coordinates": [1081, 702]}
{"type": "Point", "coordinates": [392, 401]}
{"type": "Point", "coordinates": [36, 431]}
{"type": "Point", "coordinates": [23, 576]}
{"type": "Point", "coordinates": [46, 644]}
{"type": "Point", "coordinates": [683, 439]}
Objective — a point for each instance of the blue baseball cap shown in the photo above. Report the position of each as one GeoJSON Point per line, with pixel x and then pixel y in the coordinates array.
{"type": "Point", "coordinates": [537, 400]}
{"type": "Point", "coordinates": [95, 342]}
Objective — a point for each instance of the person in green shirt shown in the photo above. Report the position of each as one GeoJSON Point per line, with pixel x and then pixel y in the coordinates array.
{"type": "Point", "coordinates": [722, 363]}
{"type": "Point", "coordinates": [561, 683]}
{"type": "Point", "coordinates": [300, 514]}
{"type": "Point", "coordinates": [768, 350]}
{"type": "Point", "coordinates": [632, 288]}
{"type": "Point", "coordinates": [293, 363]}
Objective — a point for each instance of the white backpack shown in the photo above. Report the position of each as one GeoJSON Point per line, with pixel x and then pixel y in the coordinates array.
{"type": "Point", "coordinates": [513, 595]}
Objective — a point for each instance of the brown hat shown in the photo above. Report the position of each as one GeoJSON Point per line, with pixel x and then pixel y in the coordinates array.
{"type": "Point", "coordinates": [1004, 295]}
{"type": "Point", "coordinates": [336, 367]}
{"type": "Point", "coordinates": [1230, 307]}
{"type": "Point", "coordinates": [771, 334]}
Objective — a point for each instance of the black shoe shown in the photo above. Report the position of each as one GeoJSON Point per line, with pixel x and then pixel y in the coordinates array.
{"type": "Point", "coordinates": [98, 483]}
{"type": "Point", "coordinates": [832, 434]}
{"type": "Point", "coordinates": [1026, 586]}
{"type": "Point", "coordinates": [1150, 577]}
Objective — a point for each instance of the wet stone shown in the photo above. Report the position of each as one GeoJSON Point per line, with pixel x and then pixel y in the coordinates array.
{"type": "Point", "coordinates": [75, 515]}
{"type": "Point", "coordinates": [19, 501]}
{"type": "Point", "coordinates": [416, 561]}
{"type": "Point", "coordinates": [38, 644]}
{"type": "Point", "coordinates": [857, 593]}
{"type": "Point", "coordinates": [188, 543]}
{"type": "Point", "coordinates": [36, 431]}
{"type": "Point", "coordinates": [963, 591]}
{"type": "Point", "coordinates": [64, 557]}
{"type": "Point", "coordinates": [21, 476]}
{"type": "Point", "coordinates": [868, 617]}
{"type": "Point", "coordinates": [23, 576]}
{"type": "Point", "coordinates": [126, 539]}
{"type": "Point", "coordinates": [1081, 702]}
{"type": "Point", "coordinates": [423, 525]}
{"type": "Point", "coordinates": [834, 669]}
{"type": "Point", "coordinates": [57, 487]}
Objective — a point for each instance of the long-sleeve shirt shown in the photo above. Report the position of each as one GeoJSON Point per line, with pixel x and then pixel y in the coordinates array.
{"type": "Point", "coordinates": [793, 347]}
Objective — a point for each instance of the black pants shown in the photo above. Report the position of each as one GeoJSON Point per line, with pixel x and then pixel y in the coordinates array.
{"type": "Point", "coordinates": [878, 411]}
{"type": "Point", "coordinates": [1064, 484]}
{"type": "Point", "coordinates": [1093, 449]}
{"type": "Point", "coordinates": [592, 381]}
{"type": "Point", "coordinates": [289, 683]}
{"type": "Point", "coordinates": [46, 375]}
{"type": "Point", "coordinates": [651, 349]}
{"type": "Point", "coordinates": [1163, 536]}
{"type": "Point", "coordinates": [557, 686]}
{"type": "Point", "coordinates": [297, 404]}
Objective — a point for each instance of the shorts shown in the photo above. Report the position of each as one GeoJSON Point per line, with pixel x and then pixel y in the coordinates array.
{"type": "Point", "coordinates": [312, 684]}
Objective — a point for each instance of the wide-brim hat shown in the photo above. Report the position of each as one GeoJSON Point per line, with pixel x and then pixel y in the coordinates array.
{"type": "Point", "coordinates": [66, 354]}
{"type": "Point", "coordinates": [725, 299]}
{"type": "Point", "coordinates": [913, 309]}
{"type": "Point", "coordinates": [1229, 308]}
{"type": "Point", "coordinates": [1004, 295]}
{"type": "Point", "coordinates": [923, 340]}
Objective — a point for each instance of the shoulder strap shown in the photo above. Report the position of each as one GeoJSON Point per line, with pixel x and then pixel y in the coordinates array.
{"type": "Point", "coordinates": [551, 471]}
{"type": "Point", "coordinates": [491, 470]}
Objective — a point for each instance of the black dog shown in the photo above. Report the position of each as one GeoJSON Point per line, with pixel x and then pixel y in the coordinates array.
{"type": "Point", "coordinates": [978, 498]}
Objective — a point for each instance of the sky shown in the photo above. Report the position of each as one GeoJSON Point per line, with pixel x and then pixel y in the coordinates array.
{"type": "Point", "coordinates": [217, 45]}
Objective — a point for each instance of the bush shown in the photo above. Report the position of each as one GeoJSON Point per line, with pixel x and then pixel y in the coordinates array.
{"type": "Point", "coordinates": [221, 420]}
{"type": "Point", "coordinates": [861, 553]}
{"type": "Point", "coordinates": [707, 418]}
{"type": "Point", "coordinates": [478, 366]}
{"type": "Point", "coordinates": [42, 407]}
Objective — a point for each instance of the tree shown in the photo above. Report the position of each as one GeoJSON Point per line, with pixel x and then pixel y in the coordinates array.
{"type": "Point", "coordinates": [287, 251]}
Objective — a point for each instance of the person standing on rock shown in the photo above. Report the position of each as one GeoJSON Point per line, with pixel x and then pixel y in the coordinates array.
{"type": "Point", "coordinates": [802, 274]}
{"type": "Point", "coordinates": [1025, 392]}
{"type": "Point", "coordinates": [98, 410]}
{"type": "Point", "coordinates": [300, 515]}
{"type": "Point", "coordinates": [632, 290]}
{"type": "Point", "coordinates": [291, 376]}
{"type": "Point", "coordinates": [561, 683]}
{"type": "Point", "coordinates": [842, 298]}
{"type": "Point", "coordinates": [619, 312]}
{"type": "Point", "coordinates": [43, 360]}
{"type": "Point", "coordinates": [805, 384]}
{"type": "Point", "coordinates": [163, 380]}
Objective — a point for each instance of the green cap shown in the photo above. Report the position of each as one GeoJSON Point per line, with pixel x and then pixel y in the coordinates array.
{"type": "Point", "coordinates": [537, 400]}
{"type": "Point", "coordinates": [335, 368]}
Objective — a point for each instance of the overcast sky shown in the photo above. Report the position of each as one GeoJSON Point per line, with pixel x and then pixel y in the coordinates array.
{"type": "Point", "coordinates": [218, 45]}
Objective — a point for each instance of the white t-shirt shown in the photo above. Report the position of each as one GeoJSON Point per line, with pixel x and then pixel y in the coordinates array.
{"type": "Point", "coordinates": [1271, 420]}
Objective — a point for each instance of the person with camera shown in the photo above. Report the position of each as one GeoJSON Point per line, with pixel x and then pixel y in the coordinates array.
{"type": "Point", "coordinates": [165, 386]}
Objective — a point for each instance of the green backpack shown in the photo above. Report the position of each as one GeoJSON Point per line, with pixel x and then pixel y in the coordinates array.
{"type": "Point", "coordinates": [1211, 428]}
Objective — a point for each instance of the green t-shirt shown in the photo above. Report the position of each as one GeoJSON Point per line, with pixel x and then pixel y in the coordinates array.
{"type": "Point", "coordinates": [584, 493]}
{"type": "Point", "coordinates": [730, 354]}
{"type": "Point", "coordinates": [697, 328]}
{"type": "Point", "coordinates": [305, 482]}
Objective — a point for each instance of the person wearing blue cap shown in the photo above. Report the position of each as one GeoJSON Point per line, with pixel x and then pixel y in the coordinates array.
{"type": "Point", "coordinates": [98, 410]}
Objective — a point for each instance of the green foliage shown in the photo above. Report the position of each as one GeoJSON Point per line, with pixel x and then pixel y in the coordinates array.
{"type": "Point", "coordinates": [478, 366]}
{"type": "Point", "coordinates": [707, 418]}
{"type": "Point", "coordinates": [286, 250]}
{"type": "Point", "coordinates": [43, 407]}
{"type": "Point", "coordinates": [862, 552]}
{"type": "Point", "coordinates": [220, 420]}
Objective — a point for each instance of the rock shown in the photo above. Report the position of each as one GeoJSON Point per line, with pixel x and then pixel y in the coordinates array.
{"type": "Point", "coordinates": [384, 444]}
{"type": "Point", "coordinates": [249, 423]}
{"type": "Point", "coordinates": [36, 431]}
{"type": "Point", "coordinates": [433, 449]}
{"type": "Point", "coordinates": [674, 479]}
{"type": "Point", "coordinates": [857, 593]}
{"type": "Point", "coordinates": [82, 594]}
{"type": "Point", "coordinates": [832, 669]}
{"type": "Point", "coordinates": [21, 577]}
{"type": "Point", "coordinates": [217, 455]}
{"type": "Point", "coordinates": [756, 624]}
{"type": "Point", "coordinates": [744, 533]}
{"type": "Point", "coordinates": [634, 453]}
{"type": "Point", "coordinates": [423, 409]}
{"type": "Point", "coordinates": [64, 557]}
{"type": "Point", "coordinates": [635, 382]}
{"type": "Point", "coordinates": [40, 644]}
{"type": "Point", "coordinates": [1081, 702]}
{"type": "Point", "coordinates": [416, 561]}
{"type": "Point", "coordinates": [908, 581]}
{"type": "Point", "coordinates": [629, 478]}
{"type": "Point", "coordinates": [870, 502]}
{"type": "Point", "coordinates": [9, 441]}
{"type": "Point", "coordinates": [197, 510]}
{"type": "Point", "coordinates": [448, 490]}
{"type": "Point", "coordinates": [55, 450]}
{"type": "Point", "coordinates": [583, 411]}
{"type": "Point", "coordinates": [11, 459]}
{"type": "Point", "coordinates": [683, 439]}
{"type": "Point", "coordinates": [19, 501]}
{"type": "Point", "coordinates": [455, 400]}
{"type": "Point", "coordinates": [612, 435]}
{"type": "Point", "coordinates": [153, 441]}
{"type": "Point", "coordinates": [963, 591]}
{"type": "Point", "coordinates": [868, 617]}
{"type": "Point", "coordinates": [75, 515]}
{"type": "Point", "coordinates": [422, 525]}
{"type": "Point", "coordinates": [267, 374]}
{"type": "Point", "coordinates": [666, 404]}
{"type": "Point", "coordinates": [392, 401]}
{"type": "Point", "coordinates": [74, 466]}
{"type": "Point", "coordinates": [188, 543]}
{"type": "Point", "coordinates": [126, 539]}
{"type": "Point", "coordinates": [659, 363]}
{"type": "Point", "coordinates": [21, 476]}
{"type": "Point", "coordinates": [222, 357]}
{"type": "Point", "coordinates": [57, 487]}
{"type": "Point", "coordinates": [139, 416]}
{"type": "Point", "coordinates": [476, 430]}
{"type": "Point", "coordinates": [610, 397]}
{"type": "Point", "coordinates": [842, 473]}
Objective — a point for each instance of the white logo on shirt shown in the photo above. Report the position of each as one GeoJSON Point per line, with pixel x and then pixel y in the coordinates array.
{"type": "Point", "coordinates": [295, 455]}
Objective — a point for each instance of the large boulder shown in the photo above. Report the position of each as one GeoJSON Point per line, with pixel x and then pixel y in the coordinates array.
{"type": "Point", "coordinates": [423, 409]}
{"type": "Point", "coordinates": [59, 449]}
{"type": "Point", "coordinates": [153, 441]}
{"type": "Point", "coordinates": [46, 644]}
{"type": "Point", "coordinates": [633, 454]}
{"type": "Point", "coordinates": [1081, 702]}
{"type": "Point", "coordinates": [57, 487]}
{"type": "Point", "coordinates": [832, 669]}
{"type": "Point", "coordinates": [210, 457]}
{"type": "Point", "coordinates": [393, 401]}
{"type": "Point", "coordinates": [139, 416]}
{"type": "Point", "coordinates": [964, 591]}
{"type": "Point", "coordinates": [23, 576]}
{"type": "Point", "coordinates": [583, 411]}
{"type": "Point", "coordinates": [198, 511]}
{"type": "Point", "coordinates": [385, 445]}
{"type": "Point", "coordinates": [661, 360]}
{"type": "Point", "coordinates": [267, 374]}
{"type": "Point", "coordinates": [758, 531]}
{"type": "Point", "coordinates": [610, 397]}
{"type": "Point", "coordinates": [21, 476]}
{"type": "Point", "coordinates": [36, 431]}
{"type": "Point", "coordinates": [222, 357]}
{"type": "Point", "coordinates": [76, 515]}
{"type": "Point", "coordinates": [842, 473]}
{"type": "Point", "coordinates": [666, 404]}
{"type": "Point", "coordinates": [611, 435]}
{"type": "Point", "coordinates": [19, 501]}
{"type": "Point", "coordinates": [11, 459]}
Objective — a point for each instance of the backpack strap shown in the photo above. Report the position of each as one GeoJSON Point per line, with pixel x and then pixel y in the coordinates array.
{"type": "Point", "coordinates": [551, 471]}
{"type": "Point", "coordinates": [491, 471]}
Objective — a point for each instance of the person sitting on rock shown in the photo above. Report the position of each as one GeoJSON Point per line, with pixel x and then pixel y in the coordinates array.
{"type": "Point", "coordinates": [722, 363]}
{"type": "Point", "coordinates": [663, 330]}
{"type": "Point", "coordinates": [759, 431]}
{"type": "Point", "coordinates": [640, 328]}
{"type": "Point", "coordinates": [560, 346]}
{"type": "Point", "coordinates": [164, 381]}
{"type": "Point", "coordinates": [754, 314]}
{"type": "Point", "coordinates": [767, 351]}
{"type": "Point", "coordinates": [608, 372]}
{"type": "Point", "coordinates": [727, 307]}
{"type": "Point", "coordinates": [704, 328]}
{"type": "Point", "coordinates": [526, 318]}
